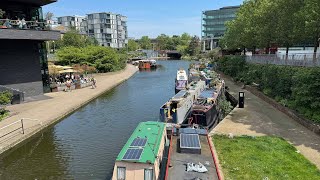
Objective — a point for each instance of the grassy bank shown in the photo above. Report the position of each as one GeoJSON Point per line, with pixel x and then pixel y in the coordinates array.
{"type": "Point", "coordinates": [294, 87]}
{"type": "Point", "coordinates": [262, 158]}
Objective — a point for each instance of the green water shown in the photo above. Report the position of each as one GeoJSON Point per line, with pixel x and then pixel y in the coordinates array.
{"type": "Point", "coordinates": [85, 144]}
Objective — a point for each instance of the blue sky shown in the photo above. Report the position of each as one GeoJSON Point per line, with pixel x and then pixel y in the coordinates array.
{"type": "Point", "coordinates": [146, 17]}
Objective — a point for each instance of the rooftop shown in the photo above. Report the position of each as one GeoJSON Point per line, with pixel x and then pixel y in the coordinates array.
{"type": "Point", "coordinates": [33, 2]}
{"type": "Point", "coordinates": [151, 130]}
{"type": "Point", "coordinates": [223, 8]}
{"type": "Point", "coordinates": [178, 160]}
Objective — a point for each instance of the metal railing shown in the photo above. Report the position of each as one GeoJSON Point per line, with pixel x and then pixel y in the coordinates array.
{"type": "Point", "coordinates": [23, 24]}
{"type": "Point", "coordinates": [21, 126]}
{"type": "Point", "coordinates": [14, 130]}
{"type": "Point", "coordinates": [306, 60]}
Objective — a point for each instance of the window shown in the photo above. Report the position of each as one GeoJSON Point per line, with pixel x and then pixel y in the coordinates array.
{"type": "Point", "coordinates": [121, 175]}
{"type": "Point", "coordinates": [148, 174]}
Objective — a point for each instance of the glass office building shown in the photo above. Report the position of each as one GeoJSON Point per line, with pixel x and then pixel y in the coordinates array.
{"type": "Point", "coordinates": [213, 25]}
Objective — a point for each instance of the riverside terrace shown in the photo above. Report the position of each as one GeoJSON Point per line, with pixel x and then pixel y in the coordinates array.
{"type": "Point", "coordinates": [22, 46]}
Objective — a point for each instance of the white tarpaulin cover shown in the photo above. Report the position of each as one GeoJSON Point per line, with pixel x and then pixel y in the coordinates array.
{"type": "Point", "coordinates": [196, 167]}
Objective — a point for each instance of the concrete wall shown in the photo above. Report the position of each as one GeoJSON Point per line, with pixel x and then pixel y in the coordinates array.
{"type": "Point", "coordinates": [20, 66]}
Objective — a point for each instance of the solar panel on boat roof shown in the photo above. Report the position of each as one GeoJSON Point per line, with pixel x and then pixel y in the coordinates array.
{"type": "Point", "coordinates": [139, 142]}
{"type": "Point", "coordinates": [133, 154]}
{"type": "Point", "coordinates": [190, 141]}
{"type": "Point", "coordinates": [207, 93]}
{"type": "Point", "coordinates": [180, 94]}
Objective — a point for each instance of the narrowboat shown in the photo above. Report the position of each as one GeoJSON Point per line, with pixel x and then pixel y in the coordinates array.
{"type": "Point", "coordinates": [181, 80]}
{"type": "Point", "coordinates": [205, 110]}
{"type": "Point", "coordinates": [141, 157]}
{"type": "Point", "coordinates": [177, 109]}
{"type": "Point", "coordinates": [191, 155]}
{"type": "Point", "coordinates": [147, 64]}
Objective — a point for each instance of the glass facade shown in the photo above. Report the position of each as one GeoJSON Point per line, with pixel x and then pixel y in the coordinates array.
{"type": "Point", "coordinates": [44, 66]}
{"type": "Point", "coordinates": [213, 21]}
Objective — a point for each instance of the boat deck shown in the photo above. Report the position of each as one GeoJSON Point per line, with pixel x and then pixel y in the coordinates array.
{"type": "Point", "coordinates": [178, 162]}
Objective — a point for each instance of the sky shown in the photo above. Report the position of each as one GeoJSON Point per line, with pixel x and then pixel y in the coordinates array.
{"type": "Point", "coordinates": [146, 17]}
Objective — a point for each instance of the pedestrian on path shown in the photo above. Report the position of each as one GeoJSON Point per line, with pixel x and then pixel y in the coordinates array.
{"type": "Point", "coordinates": [94, 83]}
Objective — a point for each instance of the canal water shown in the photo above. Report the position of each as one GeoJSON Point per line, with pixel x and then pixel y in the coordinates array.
{"type": "Point", "coordinates": [86, 144]}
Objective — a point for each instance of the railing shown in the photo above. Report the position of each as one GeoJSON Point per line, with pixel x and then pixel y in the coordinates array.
{"type": "Point", "coordinates": [307, 59]}
{"type": "Point", "coordinates": [14, 130]}
{"type": "Point", "coordinates": [21, 125]}
{"type": "Point", "coordinates": [22, 24]}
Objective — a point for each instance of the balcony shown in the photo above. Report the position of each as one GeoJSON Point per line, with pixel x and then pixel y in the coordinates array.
{"type": "Point", "coordinates": [28, 30]}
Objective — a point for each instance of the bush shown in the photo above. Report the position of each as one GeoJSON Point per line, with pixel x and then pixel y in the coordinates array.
{"type": "Point", "coordinates": [295, 87]}
{"type": "Point", "coordinates": [104, 59]}
{"type": "Point", "coordinates": [5, 98]}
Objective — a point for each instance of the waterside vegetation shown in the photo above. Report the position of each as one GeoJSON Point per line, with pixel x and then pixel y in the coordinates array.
{"type": "Point", "coordinates": [294, 87]}
{"type": "Point", "coordinates": [5, 98]}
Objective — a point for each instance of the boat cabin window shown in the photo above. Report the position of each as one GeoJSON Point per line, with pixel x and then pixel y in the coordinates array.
{"type": "Point", "coordinates": [121, 175]}
{"type": "Point", "coordinates": [148, 174]}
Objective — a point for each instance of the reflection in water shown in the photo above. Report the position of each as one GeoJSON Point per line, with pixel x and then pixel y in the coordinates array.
{"type": "Point", "coordinates": [85, 144]}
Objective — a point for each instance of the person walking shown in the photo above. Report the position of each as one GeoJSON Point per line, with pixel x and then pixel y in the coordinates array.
{"type": "Point", "coordinates": [93, 81]}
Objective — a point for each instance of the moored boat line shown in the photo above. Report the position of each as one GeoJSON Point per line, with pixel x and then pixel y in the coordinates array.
{"type": "Point", "coordinates": [165, 152]}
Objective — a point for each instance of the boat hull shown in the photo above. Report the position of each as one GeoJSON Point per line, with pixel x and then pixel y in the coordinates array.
{"type": "Point", "coordinates": [205, 118]}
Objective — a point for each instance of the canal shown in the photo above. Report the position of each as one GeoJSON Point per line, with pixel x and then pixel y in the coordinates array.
{"type": "Point", "coordinates": [85, 144]}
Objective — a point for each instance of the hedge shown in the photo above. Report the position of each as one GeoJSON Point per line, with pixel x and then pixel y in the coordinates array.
{"type": "Point", "coordinates": [295, 87]}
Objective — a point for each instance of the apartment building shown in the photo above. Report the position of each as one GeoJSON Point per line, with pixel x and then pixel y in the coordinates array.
{"type": "Point", "coordinates": [107, 28]}
{"type": "Point", "coordinates": [71, 21]}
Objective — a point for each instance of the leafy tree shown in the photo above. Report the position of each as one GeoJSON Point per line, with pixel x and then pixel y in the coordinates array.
{"type": "Point", "coordinates": [311, 12]}
{"type": "Point", "coordinates": [145, 42]}
{"type": "Point", "coordinates": [73, 38]}
{"type": "Point", "coordinates": [194, 46]}
{"type": "Point", "coordinates": [132, 45]}
{"type": "Point", "coordinates": [185, 39]}
{"type": "Point", "coordinates": [290, 24]}
{"type": "Point", "coordinates": [104, 59]}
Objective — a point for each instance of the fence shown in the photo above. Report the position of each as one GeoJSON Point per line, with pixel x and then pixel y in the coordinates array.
{"type": "Point", "coordinates": [13, 128]}
{"type": "Point", "coordinates": [290, 60]}
{"type": "Point", "coordinates": [18, 96]}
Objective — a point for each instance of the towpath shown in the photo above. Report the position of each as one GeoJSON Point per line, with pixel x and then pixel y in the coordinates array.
{"type": "Point", "coordinates": [43, 113]}
{"type": "Point", "coordinates": [259, 118]}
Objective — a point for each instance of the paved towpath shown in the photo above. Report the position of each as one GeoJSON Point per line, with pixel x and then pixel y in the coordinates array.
{"type": "Point", "coordinates": [259, 118]}
{"type": "Point", "coordinates": [54, 107]}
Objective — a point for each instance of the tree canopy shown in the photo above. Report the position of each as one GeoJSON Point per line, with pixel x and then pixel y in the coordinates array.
{"type": "Point", "coordinates": [263, 23]}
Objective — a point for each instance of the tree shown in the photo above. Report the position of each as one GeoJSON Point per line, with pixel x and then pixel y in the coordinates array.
{"type": "Point", "coordinates": [73, 38]}
{"type": "Point", "coordinates": [311, 12]}
{"type": "Point", "coordinates": [290, 25]}
{"type": "Point", "coordinates": [145, 42]}
{"type": "Point", "coordinates": [194, 46]}
{"type": "Point", "coordinates": [185, 39]}
{"type": "Point", "coordinates": [132, 45]}
{"type": "Point", "coordinates": [49, 16]}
